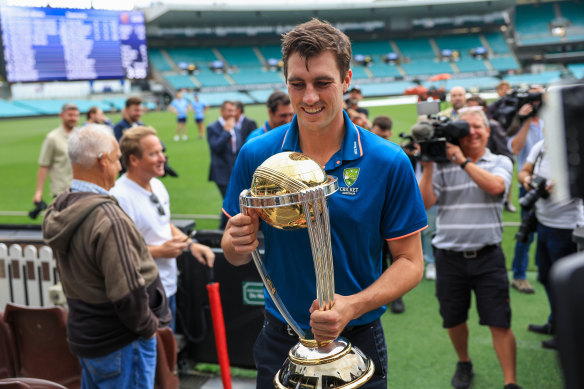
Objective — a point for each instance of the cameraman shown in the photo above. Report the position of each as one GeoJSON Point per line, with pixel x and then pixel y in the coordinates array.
{"type": "Point", "coordinates": [469, 193]}
{"type": "Point", "coordinates": [530, 132]}
{"type": "Point", "coordinates": [556, 221]}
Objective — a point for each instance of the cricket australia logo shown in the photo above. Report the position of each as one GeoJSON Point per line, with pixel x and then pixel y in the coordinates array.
{"type": "Point", "coordinates": [350, 176]}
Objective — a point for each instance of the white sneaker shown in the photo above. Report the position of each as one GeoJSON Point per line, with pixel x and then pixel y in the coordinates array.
{"type": "Point", "coordinates": [431, 271]}
{"type": "Point", "coordinates": [176, 138]}
{"type": "Point", "coordinates": [184, 137]}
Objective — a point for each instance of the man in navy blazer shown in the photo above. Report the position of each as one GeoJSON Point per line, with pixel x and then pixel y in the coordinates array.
{"type": "Point", "coordinates": [225, 141]}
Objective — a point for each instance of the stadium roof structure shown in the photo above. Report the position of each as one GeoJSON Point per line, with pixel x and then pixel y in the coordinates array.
{"type": "Point", "coordinates": [396, 14]}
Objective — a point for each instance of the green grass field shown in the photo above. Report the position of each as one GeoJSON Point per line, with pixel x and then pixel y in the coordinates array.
{"type": "Point", "coordinates": [420, 354]}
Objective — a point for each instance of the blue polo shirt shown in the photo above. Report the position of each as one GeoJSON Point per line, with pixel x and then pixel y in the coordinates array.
{"type": "Point", "coordinates": [259, 131]}
{"type": "Point", "coordinates": [181, 106]}
{"type": "Point", "coordinates": [378, 199]}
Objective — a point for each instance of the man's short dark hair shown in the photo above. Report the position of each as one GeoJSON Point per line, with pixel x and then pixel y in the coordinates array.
{"type": "Point", "coordinates": [238, 105]}
{"type": "Point", "coordinates": [477, 99]}
{"type": "Point", "coordinates": [134, 100]}
{"type": "Point", "coordinates": [223, 104]}
{"type": "Point", "coordinates": [275, 99]}
{"type": "Point", "coordinates": [92, 111]}
{"type": "Point", "coordinates": [311, 39]}
{"type": "Point", "coordinates": [383, 122]}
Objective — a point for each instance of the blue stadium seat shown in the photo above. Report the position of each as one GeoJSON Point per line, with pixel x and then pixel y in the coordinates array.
{"type": "Point", "coordinates": [242, 56]}
{"type": "Point", "coordinates": [380, 69]}
{"type": "Point", "coordinates": [426, 67]}
{"type": "Point", "coordinates": [271, 52]}
{"type": "Point", "coordinates": [532, 24]}
{"type": "Point", "coordinates": [179, 81]}
{"type": "Point", "coordinates": [386, 88]}
{"type": "Point", "coordinates": [158, 60]}
{"type": "Point", "coordinates": [200, 56]}
{"type": "Point", "coordinates": [261, 95]}
{"type": "Point", "coordinates": [497, 42]}
{"type": "Point", "coordinates": [256, 76]}
{"type": "Point", "coordinates": [10, 109]}
{"type": "Point", "coordinates": [470, 83]}
{"type": "Point", "coordinates": [543, 78]}
{"type": "Point", "coordinates": [504, 63]}
{"type": "Point", "coordinates": [462, 43]}
{"type": "Point", "coordinates": [208, 78]}
{"type": "Point", "coordinates": [577, 70]}
{"type": "Point", "coordinates": [415, 48]}
{"type": "Point", "coordinates": [468, 65]}
{"type": "Point", "coordinates": [216, 98]}
{"type": "Point", "coordinates": [359, 73]}
{"type": "Point", "coordinates": [372, 48]}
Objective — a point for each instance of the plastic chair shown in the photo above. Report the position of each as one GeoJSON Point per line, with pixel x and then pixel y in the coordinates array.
{"type": "Point", "coordinates": [7, 357]}
{"type": "Point", "coordinates": [166, 355]}
{"type": "Point", "coordinates": [28, 383]}
{"type": "Point", "coordinates": [40, 339]}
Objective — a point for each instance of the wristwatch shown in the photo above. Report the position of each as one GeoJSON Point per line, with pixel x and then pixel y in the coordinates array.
{"type": "Point", "coordinates": [463, 165]}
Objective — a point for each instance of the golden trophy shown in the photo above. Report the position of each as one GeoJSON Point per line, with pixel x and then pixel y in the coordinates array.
{"type": "Point", "coordinates": [289, 191]}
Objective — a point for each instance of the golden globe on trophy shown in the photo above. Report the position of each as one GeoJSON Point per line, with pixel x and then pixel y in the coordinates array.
{"type": "Point", "coordinates": [289, 191]}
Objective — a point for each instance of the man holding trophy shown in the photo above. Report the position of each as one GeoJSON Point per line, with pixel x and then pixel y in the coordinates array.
{"type": "Point", "coordinates": [365, 192]}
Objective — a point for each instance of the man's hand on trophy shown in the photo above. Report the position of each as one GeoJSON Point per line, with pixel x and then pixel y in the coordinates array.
{"type": "Point", "coordinates": [243, 230]}
{"type": "Point", "coordinates": [328, 325]}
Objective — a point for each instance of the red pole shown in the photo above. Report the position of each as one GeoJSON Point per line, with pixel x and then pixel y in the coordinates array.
{"type": "Point", "coordinates": [219, 330]}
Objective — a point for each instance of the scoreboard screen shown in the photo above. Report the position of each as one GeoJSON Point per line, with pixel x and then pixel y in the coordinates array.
{"type": "Point", "coordinates": [48, 44]}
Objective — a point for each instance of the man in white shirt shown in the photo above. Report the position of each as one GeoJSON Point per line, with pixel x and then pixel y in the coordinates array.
{"type": "Point", "coordinates": [145, 199]}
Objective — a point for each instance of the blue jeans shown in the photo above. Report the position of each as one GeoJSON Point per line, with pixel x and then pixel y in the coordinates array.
{"type": "Point", "coordinates": [428, 234]}
{"type": "Point", "coordinates": [553, 244]}
{"type": "Point", "coordinates": [272, 346]}
{"type": "Point", "coordinates": [132, 366]}
{"type": "Point", "coordinates": [521, 258]}
{"type": "Point", "coordinates": [172, 307]}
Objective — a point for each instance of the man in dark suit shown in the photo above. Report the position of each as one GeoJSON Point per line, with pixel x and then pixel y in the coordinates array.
{"type": "Point", "coordinates": [225, 139]}
{"type": "Point", "coordinates": [246, 124]}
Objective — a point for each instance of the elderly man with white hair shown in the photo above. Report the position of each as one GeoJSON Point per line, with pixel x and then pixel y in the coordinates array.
{"type": "Point", "coordinates": [115, 296]}
{"type": "Point", "coordinates": [469, 192]}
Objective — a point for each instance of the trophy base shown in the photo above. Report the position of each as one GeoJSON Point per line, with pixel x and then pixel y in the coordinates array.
{"type": "Point", "coordinates": [336, 365]}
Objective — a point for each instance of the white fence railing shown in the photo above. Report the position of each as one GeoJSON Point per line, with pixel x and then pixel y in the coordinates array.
{"type": "Point", "coordinates": [26, 274]}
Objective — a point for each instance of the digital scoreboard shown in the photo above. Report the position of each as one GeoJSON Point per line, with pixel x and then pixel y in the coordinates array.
{"type": "Point", "coordinates": [48, 44]}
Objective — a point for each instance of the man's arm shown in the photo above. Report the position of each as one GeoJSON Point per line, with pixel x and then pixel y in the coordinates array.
{"type": "Point", "coordinates": [202, 253]}
{"type": "Point", "coordinates": [518, 141]}
{"type": "Point", "coordinates": [403, 275]}
{"type": "Point", "coordinates": [524, 175]}
{"type": "Point", "coordinates": [218, 137]}
{"type": "Point", "coordinates": [240, 238]}
{"type": "Point", "coordinates": [488, 182]}
{"type": "Point", "coordinates": [425, 184]}
{"type": "Point", "coordinates": [40, 183]}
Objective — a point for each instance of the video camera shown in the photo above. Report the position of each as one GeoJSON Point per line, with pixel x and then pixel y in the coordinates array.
{"type": "Point", "coordinates": [432, 134]}
{"type": "Point", "coordinates": [509, 105]}
{"type": "Point", "coordinates": [527, 201]}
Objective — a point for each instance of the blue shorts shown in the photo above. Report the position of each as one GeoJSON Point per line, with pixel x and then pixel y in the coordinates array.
{"type": "Point", "coordinates": [181, 120]}
{"type": "Point", "coordinates": [458, 274]}
{"type": "Point", "coordinates": [199, 120]}
{"type": "Point", "coordinates": [132, 366]}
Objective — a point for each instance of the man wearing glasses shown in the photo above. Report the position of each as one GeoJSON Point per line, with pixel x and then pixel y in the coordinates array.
{"type": "Point", "coordinates": [144, 198]}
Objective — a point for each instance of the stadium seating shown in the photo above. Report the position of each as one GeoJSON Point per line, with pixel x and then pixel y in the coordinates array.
{"type": "Point", "coordinates": [359, 72]}
{"type": "Point", "coordinates": [469, 83]}
{"type": "Point", "coordinates": [466, 65]}
{"type": "Point", "coordinates": [574, 13]}
{"type": "Point", "coordinates": [577, 70]}
{"type": "Point", "coordinates": [532, 24]}
{"type": "Point", "coordinates": [426, 67]}
{"type": "Point", "coordinates": [261, 95]}
{"type": "Point", "coordinates": [256, 76]}
{"type": "Point", "coordinates": [379, 69]}
{"type": "Point", "coordinates": [179, 81]}
{"type": "Point", "coordinates": [216, 98]}
{"type": "Point", "coordinates": [208, 78]}
{"type": "Point", "coordinates": [543, 78]}
{"type": "Point", "coordinates": [386, 88]}
{"type": "Point", "coordinates": [373, 48]}
{"type": "Point", "coordinates": [415, 48]}
{"type": "Point", "coordinates": [242, 57]}
{"type": "Point", "coordinates": [158, 60]}
{"type": "Point", "coordinates": [10, 109]}
{"type": "Point", "coordinates": [497, 43]}
{"type": "Point", "coordinates": [271, 52]}
{"type": "Point", "coordinates": [462, 43]}
{"type": "Point", "coordinates": [200, 56]}
{"type": "Point", "coordinates": [504, 63]}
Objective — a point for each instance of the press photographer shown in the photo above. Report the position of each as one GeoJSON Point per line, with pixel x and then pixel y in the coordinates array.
{"type": "Point", "coordinates": [555, 223]}
{"type": "Point", "coordinates": [517, 106]}
{"type": "Point", "coordinates": [433, 134]}
{"type": "Point", "coordinates": [529, 134]}
{"type": "Point", "coordinates": [537, 189]}
{"type": "Point", "coordinates": [468, 254]}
